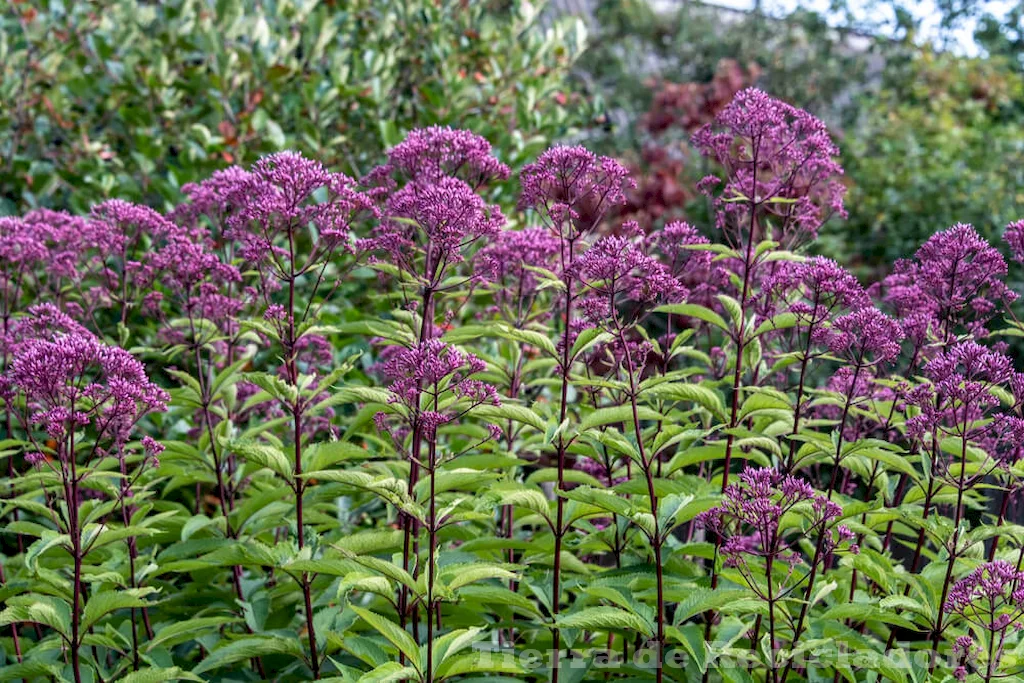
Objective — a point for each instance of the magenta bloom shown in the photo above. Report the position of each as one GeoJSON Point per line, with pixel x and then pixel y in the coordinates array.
{"type": "Point", "coordinates": [956, 278]}
{"type": "Point", "coordinates": [211, 199]}
{"type": "Point", "coordinates": [959, 402]}
{"type": "Point", "coordinates": [278, 200]}
{"type": "Point", "coordinates": [572, 189]}
{"type": "Point", "coordinates": [616, 270]}
{"type": "Point", "coordinates": [506, 264]}
{"type": "Point", "coordinates": [779, 162]}
{"type": "Point", "coordinates": [992, 596]}
{"type": "Point", "coordinates": [73, 381]}
{"type": "Point", "coordinates": [813, 289]}
{"type": "Point", "coordinates": [695, 269]}
{"type": "Point", "coordinates": [424, 379]}
{"type": "Point", "coordinates": [429, 228]}
{"type": "Point", "coordinates": [429, 155]}
{"type": "Point", "coordinates": [748, 520]}
{"type": "Point", "coordinates": [866, 337]}
{"type": "Point", "coordinates": [1014, 237]}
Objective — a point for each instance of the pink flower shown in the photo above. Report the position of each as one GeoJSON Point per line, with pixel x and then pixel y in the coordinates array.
{"type": "Point", "coordinates": [572, 188]}
{"type": "Point", "coordinates": [779, 162]}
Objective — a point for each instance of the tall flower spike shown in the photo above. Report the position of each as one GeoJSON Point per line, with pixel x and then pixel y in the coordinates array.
{"type": "Point", "coordinates": [695, 269]}
{"type": "Point", "coordinates": [779, 162]}
{"type": "Point", "coordinates": [813, 289]}
{"type": "Point", "coordinates": [280, 197]}
{"type": "Point", "coordinates": [991, 597]}
{"type": "Point", "coordinates": [573, 189]}
{"type": "Point", "coordinates": [422, 376]}
{"type": "Point", "coordinates": [439, 222]}
{"type": "Point", "coordinates": [74, 380]}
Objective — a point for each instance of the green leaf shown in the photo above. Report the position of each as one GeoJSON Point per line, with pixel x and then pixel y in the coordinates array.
{"type": "Point", "coordinates": [535, 339]}
{"type": "Point", "coordinates": [40, 609]}
{"type": "Point", "coordinates": [273, 385]}
{"type": "Point", "coordinates": [617, 414]}
{"type": "Point", "coordinates": [183, 631]}
{"type": "Point", "coordinates": [605, 618]}
{"type": "Point", "coordinates": [249, 648]}
{"type": "Point", "coordinates": [392, 632]}
{"type": "Point", "coordinates": [264, 455]}
{"type": "Point", "coordinates": [106, 602]}
{"type": "Point", "coordinates": [695, 311]}
{"type": "Point", "coordinates": [509, 411]}
{"type": "Point", "coordinates": [680, 391]}
{"type": "Point", "coordinates": [479, 662]}
{"type": "Point", "coordinates": [160, 675]}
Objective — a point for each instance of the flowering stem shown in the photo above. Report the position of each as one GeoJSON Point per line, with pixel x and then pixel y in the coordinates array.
{"type": "Point", "coordinates": [804, 362]}
{"type": "Point", "coordinates": [937, 635]}
{"type": "Point", "coordinates": [734, 412]}
{"type": "Point", "coordinates": [431, 560]}
{"type": "Point", "coordinates": [740, 344]}
{"type": "Point", "coordinates": [560, 502]}
{"type": "Point", "coordinates": [820, 546]}
{"type": "Point", "coordinates": [649, 475]}
{"type": "Point", "coordinates": [771, 620]}
{"type": "Point", "coordinates": [298, 483]}
{"type": "Point", "coordinates": [71, 495]}
{"type": "Point", "coordinates": [409, 525]}
{"type": "Point", "coordinates": [999, 522]}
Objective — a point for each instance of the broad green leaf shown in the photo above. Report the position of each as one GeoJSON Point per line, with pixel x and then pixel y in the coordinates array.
{"type": "Point", "coordinates": [392, 632]}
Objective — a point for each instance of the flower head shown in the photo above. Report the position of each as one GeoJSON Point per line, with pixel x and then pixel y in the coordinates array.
{"type": "Point", "coordinates": [424, 378]}
{"type": "Point", "coordinates": [70, 381]}
{"type": "Point", "coordinates": [750, 514]}
{"type": "Point", "coordinates": [429, 155]}
{"type": "Point", "coordinates": [779, 162]}
{"type": "Point", "coordinates": [573, 189]}
{"type": "Point", "coordinates": [694, 268]}
{"type": "Point", "coordinates": [991, 596]}
{"type": "Point", "coordinates": [866, 336]}
{"type": "Point", "coordinates": [955, 278]}
{"type": "Point", "coordinates": [506, 263]}
{"type": "Point", "coordinates": [616, 269]}
{"type": "Point", "coordinates": [437, 222]}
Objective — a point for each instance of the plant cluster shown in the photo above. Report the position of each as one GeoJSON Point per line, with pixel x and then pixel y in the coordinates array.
{"type": "Point", "coordinates": [312, 426]}
{"type": "Point", "coordinates": [133, 99]}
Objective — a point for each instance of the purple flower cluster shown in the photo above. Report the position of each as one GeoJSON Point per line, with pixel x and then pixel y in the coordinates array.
{"type": "Point", "coordinates": [429, 155]}
{"type": "Point", "coordinates": [954, 281]}
{"type": "Point", "coordinates": [441, 220]}
{"type": "Point", "coordinates": [1014, 237]}
{"type": "Point", "coordinates": [72, 381]}
{"type": "Point", "coordinates": [812, 290]}
{"type": "Point", "coordinates": [508, 262]}
{"type": "Point", "coordinates": [573, 189]}
{"type": "Point", "coordinates": [432, 214]}
{"type": "Point", "coordinates": [615, 271]}
{"type": "Point", "coordinates": [748, 520]}
{"type": "Point", "coordinates": [961, 400]}
{"type": "Point", "coordinates": [278, 200]}
{"type": "Point", "coordinates": [779, 163]}
{"type": "Point", "coordinates": [422, 376]}
{"type": "Point", "coordinates": [679, 245]}
{"type": "Point", "coordinates": [865, 337]}
{"type": "Point", "coordinates": [990, 597]}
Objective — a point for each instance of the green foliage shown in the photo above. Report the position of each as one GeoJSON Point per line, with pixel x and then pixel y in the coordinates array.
{"type": "Point", "coordinates": [939, 144]}
{"type": "Point", "coordinates": [132, 99]}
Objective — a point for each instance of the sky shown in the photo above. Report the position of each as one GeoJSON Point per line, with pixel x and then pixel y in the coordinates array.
{"type": "Point", "coordinates": [924, 10]}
